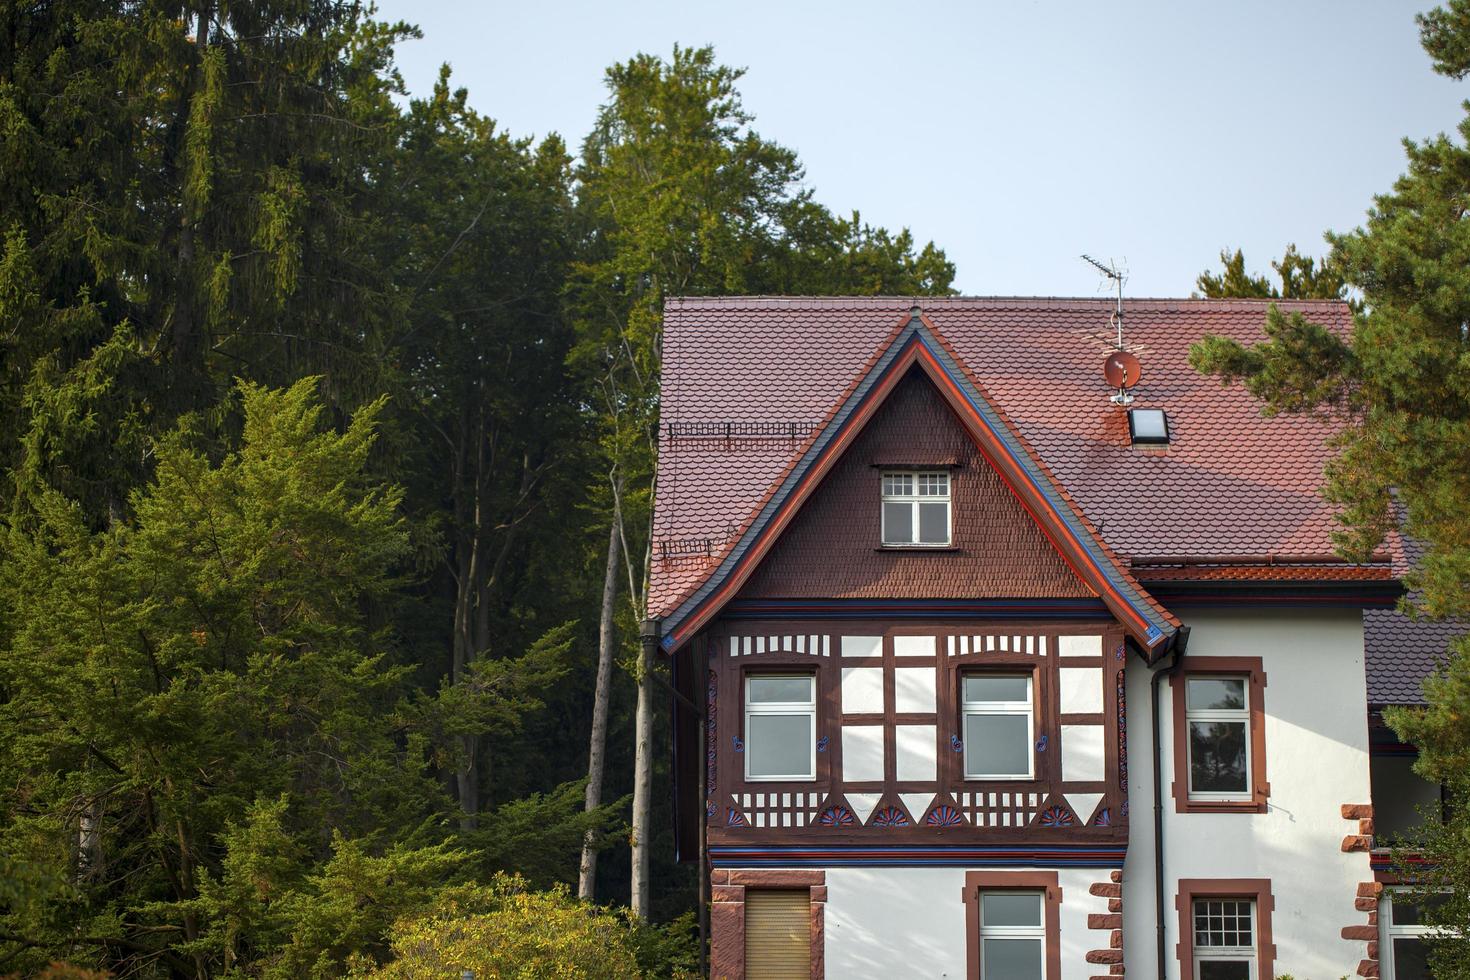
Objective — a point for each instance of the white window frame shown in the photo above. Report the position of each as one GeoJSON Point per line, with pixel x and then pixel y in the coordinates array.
{"type": "Point", "coordinates": [808, 707]}
{"type": "Point", "coordinates": [1027, 707]}
{"type": "Point", "coordinates": [1241, 715]}
{"type": "Point", "coordinates": [1225, 954]}
{"type": "Point", "coordinates": [1037, 932]}
{"type": "Point", "coordinates": [913, 499]}
{"type": "Point", "coordinates": [1389, 931]}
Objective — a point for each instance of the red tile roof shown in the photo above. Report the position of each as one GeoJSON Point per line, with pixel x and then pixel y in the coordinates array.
{"type": "Point", "coordinates": [1230, 484]}
{"type": "Point", "coordinates": [1263, 573]}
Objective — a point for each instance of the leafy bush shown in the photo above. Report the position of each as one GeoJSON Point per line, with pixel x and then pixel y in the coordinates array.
{"type": "Point", "coordinates": [505, 930]}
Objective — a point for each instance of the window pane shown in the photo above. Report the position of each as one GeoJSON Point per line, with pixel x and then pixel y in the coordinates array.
{"type": "Point", "coordinates": [988, 687]}
{"type": "Point", "coordinates": [763, 690]}
{"type": "Point", "coordinates": [1217, 756]}
{"type": "Point", "coordinates": [1217, 693]}
{"type": "Point", "coordinates": [933, 484]}
{"type": "Point", "coordinates": [898, 523]}
{"type": "Point", "coordinates": [1410, 959]}
{"type": "Point", "coordinates": [896, 484]}
{"type": "Point", "coordinates": [779, 745]}
{"type": "Point", "coordinates": [1225, 970]}
{"type": "Point", "coordinates": [997, 745]}
{"type": "Point", "coordinates": [1404, 907]}
{"type": "Point", "coordinates": [934, 523]}
{"type": "Point", "coordinates": [1010, 909]}
{"type": "Point", "coordinates": [1013, 959]}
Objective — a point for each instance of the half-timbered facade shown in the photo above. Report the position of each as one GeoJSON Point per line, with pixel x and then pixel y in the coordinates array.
{"type": "Point", "coordinates": [983, 672]}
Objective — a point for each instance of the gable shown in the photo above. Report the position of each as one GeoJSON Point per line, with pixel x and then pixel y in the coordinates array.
{"type": "Point", "coordinates": [831, 547]}
{"type": "Point", "coordinates": [912, 343]}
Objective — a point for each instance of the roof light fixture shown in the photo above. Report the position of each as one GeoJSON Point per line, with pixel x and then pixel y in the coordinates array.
{"type": "Point", "coordinates": [1148, 426]}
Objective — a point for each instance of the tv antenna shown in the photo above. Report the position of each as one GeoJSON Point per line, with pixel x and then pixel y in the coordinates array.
{"type": "Point", "coordinates": [1121, 369]}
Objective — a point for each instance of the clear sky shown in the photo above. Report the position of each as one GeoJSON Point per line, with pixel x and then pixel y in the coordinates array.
{"type": "Point", "coordinates": [1015, 134]}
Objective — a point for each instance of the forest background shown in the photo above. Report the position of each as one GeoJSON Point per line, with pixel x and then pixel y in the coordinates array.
{"type": "Point", "coordinates": [328, 421]}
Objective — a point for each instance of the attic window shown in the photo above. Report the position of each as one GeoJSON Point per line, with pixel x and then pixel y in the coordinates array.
{"type": "Point", "coordinates": [916, 508]}
{"type": "Point", "coordinates": [1148, 426]}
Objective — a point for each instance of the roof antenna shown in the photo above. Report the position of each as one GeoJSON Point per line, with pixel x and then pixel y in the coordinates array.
{"type": "Point", "coordinates": [1121, 369]}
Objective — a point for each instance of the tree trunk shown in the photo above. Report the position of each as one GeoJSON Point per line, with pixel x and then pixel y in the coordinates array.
{"type": "Point", "coordinates": [596, 754]}
{"type": "Point", "coordinates": [643, 779]}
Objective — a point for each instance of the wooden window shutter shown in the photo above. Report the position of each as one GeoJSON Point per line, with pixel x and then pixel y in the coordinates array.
{"type": "Point", "coordinates": [778, 934]}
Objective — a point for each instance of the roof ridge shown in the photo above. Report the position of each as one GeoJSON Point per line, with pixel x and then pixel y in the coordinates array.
{"type": "Point", "coordinates": [994, 302]}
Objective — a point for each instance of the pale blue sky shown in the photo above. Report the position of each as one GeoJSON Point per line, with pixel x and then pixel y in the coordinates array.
{"type": "Point", "coordinates": [1018, 134]}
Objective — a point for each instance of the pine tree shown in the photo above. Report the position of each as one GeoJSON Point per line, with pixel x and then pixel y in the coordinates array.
{"type": "Point", "coordinates": [1400, 384]}
{"type": "Point", "coordinates": [1301, 278]}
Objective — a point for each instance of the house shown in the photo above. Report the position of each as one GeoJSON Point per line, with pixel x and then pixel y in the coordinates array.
{"type": "Point", "coordinates": [986, 668]}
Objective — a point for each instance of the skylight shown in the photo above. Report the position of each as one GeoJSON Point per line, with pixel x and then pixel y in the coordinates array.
{"type": "Point", "coordinates": [1148, 426]}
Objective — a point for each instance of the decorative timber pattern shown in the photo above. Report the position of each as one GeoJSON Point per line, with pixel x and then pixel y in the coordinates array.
{"type": "Point", "coordinates": [889, 750]}
{"type": "Point", "coordinates": [1000, 809]}
{"type": "Point", "coordinates": [777, 809]}
{"type": "Point", "coordinates": [807, 643]}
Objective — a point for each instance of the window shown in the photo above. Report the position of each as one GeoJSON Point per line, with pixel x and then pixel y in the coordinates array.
{"type": "Point", "coordinates": [1224, 939]}
{"type": "Point", "coordinates": [1219, 737]}
{"type": "Point", "coordinates": [778, 933]}
{"type": "Point", "coordinates": [916, 509]}
{"type": "Point", "coordinates": [1225, 929]}
{"type": "Point", "coordinates": [780, 726]}
{"type": "Point", "coordinates": [1013, 925]}
{"type": "Point", "coordinates": [998, 722]}
{"type": "Point", "coordinates": [1012, 935]}
{"type": "Point", "coordinates": [1403, 800]}
{"type": "Point", "coordinates": [1148, 426]}
{"type": "Point", "coordinates": [1403, 950]}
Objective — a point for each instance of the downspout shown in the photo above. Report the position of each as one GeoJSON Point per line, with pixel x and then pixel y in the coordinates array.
{"type": "Point", "coordinates": [701, 677]}
{"type": "Point", "coordinates": [1181, 640]}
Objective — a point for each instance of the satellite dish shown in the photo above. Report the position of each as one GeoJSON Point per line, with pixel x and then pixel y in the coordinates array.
{"type": "Point", "coordinates": [1122, 369]}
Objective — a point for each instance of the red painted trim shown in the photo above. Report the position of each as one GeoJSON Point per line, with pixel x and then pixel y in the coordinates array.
{"type": "Point", "coordinates": [1046, 881]}
{"type": "Point", "coordinates": [1257, 889]}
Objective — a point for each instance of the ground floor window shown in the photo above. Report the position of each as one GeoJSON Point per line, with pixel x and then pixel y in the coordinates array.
{"type": "Point", "coordinates": [1404, 949]}
{"type": "Point", "coordinates": [778, 933]}
{"type": "Point", "coordinates": [1012, 935]}
{"type": "Point", "coordinates": [1224, 939]}
{"type": "Point", "coordinates": [1012, 924]}
{"type": "Point", "coordinates": [1225, 928]}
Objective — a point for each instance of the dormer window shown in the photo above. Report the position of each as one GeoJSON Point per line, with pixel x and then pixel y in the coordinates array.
{"type": "Point", "coordinates": [916, 508]}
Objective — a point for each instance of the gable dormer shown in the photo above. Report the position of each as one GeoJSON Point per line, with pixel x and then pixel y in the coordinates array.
{"type": "Point", "coordinates": [915, 345]}
{"type": "Point", "coordinates": [914, 510]}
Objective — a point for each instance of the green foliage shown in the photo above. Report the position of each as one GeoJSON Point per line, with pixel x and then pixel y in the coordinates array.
{"type": "Point", "coordinates": [539, 836]}
{"type": "Point", "coordinates": [253, 626]}
{"type": "Point", "coordinates": [1401, 387]}
{"type": "Point", "coordinates": [166, 675]}
{"type": "Point", "coordinates": [502, 929]}
{"type": "Point", "coordinates": [1300, 367]}
{"type": "Point", "coordinates": [1301, 278]}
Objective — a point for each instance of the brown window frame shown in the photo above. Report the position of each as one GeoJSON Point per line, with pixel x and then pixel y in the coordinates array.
{"type": "Point", "coordinates": [994, 881]}
{"type": "Point", "coordinates": [1252, 669]}
{"type": "Point", "coordinates": [1039, 717]}
{"type": "Point", "coordinates": [1257, 890]}
{"type": "Point", "coordinates": [746, 671]}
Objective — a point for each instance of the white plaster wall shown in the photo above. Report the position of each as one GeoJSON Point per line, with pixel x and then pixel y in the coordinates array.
{"type": "Point", "coordinates": [1316, 760]}
{"type": "Point", "coordinates": [910, 922]}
